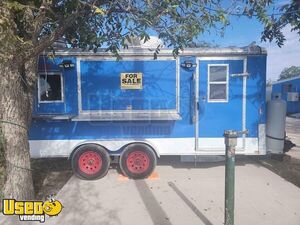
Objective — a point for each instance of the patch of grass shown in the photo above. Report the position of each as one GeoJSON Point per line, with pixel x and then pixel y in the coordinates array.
{"type": "Point", "coordinates": [50, 175]}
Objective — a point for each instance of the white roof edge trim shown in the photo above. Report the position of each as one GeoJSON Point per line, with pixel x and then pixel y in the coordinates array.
{"type": "Point", "coordinates": [164, 52]}
{"type": "Point", "coordinates": [285, 80]}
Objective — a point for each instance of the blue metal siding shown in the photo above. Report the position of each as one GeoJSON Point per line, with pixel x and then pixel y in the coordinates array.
{"type": "Point", "coordinates": [185, 127]}
{"type": "Point", "coordinates": [67, 130]}
{"type": "Point", "coordinates": [100, 85]}
{"type": "Point", "coordinates": [292, 107]}
{"type": "Point", "coordinates": [159, 80]}
{"type": "Point", "coordinates": [69, 106]}
{"type": "Point", "coordinates": [256, 94]}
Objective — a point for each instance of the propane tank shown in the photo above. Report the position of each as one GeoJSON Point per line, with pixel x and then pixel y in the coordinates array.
{"type": "Point", "coordinates": [275, 127]}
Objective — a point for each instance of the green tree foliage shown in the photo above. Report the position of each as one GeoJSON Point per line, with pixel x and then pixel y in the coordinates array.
{"type": "Point", "coordinates": [288, 14]}
{"type": "Point", "coordinates": [89, 24]}
{"type": "Point", "coordinates": [269, 82]}
{"type": "Point", "coordinates": [289, 72]}
{"type": "Point", "coordinates": [34, 25]}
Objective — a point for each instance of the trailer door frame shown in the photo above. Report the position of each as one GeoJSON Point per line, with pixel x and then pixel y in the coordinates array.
{"type": "Point", "coordinates": [244, 76]}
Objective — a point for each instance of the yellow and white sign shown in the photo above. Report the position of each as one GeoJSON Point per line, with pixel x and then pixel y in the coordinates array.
{"type": "Point", "coordinates": [131, 81]}
{"type": "Point", "coordinates": [31, 210]}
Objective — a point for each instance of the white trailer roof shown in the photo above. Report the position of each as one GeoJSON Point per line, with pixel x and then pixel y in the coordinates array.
{"type": "Point", "coordinates": [228, 51]}
{"type": "Point", "coordinates": [285, 80]}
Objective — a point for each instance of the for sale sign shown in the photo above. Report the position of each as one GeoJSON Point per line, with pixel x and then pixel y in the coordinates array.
{"type": "Point", "coordinates": [131, 80]}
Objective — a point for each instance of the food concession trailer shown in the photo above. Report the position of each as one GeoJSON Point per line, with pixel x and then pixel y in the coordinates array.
{"type": "Point", "coordinates": [91, 107]}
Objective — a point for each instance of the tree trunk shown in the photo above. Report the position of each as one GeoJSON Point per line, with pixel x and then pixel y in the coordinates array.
{"type": "Point", "coordinates": [16, 88]}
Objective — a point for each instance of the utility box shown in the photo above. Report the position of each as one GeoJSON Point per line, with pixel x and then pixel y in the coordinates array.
{"type": "Point", "coordinates": [293, 96]}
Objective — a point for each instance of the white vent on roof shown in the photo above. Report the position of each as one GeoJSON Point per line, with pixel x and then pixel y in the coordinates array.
{"type": "Point", "coordinates": [133, 43]}
{"type": "Point", "coordinates": [152, 43]}
{"type": "Point", "coordinates": [59, 44]}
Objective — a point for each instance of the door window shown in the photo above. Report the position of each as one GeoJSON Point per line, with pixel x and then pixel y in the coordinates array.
{"type": "Point", "coordinates": [218, 83]}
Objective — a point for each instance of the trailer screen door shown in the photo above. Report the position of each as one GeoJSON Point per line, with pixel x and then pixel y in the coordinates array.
{"type": "Point", "coordinates": [220, 101]}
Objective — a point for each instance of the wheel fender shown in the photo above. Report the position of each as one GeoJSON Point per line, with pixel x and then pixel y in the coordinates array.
{"type": "Point", "coordinates": [151, 145]}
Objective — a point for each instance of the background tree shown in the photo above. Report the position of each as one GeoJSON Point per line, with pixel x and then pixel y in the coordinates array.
{"type": "Point", "coordinates": [28, 27]}
{"type": "Point", "coordinates": [269, 82]}
{"type": "Point", "coordinates": [289, 72]}
{"type": "Point", "coordinates": [288, 14]}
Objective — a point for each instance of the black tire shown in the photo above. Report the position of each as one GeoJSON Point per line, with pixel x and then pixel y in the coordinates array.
{"type": "Point", "coordinates": [137, 161]}
{"type": "Point", "coordinates": [97, 158]}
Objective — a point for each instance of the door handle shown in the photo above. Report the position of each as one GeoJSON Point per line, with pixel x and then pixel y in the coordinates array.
{"type": "Point", "coordinates": [203, 98]}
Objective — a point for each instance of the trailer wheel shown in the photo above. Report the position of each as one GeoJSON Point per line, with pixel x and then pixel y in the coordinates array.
{"type": "Point", "coordinates": [90, 162]}
{"type": "Point", "coordinates": [137, 161]}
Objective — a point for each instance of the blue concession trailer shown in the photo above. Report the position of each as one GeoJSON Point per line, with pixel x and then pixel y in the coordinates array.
{"type": "Point", "coordinates": [91, 107]}
{"type": "Point", "coordinates": [289, 91]}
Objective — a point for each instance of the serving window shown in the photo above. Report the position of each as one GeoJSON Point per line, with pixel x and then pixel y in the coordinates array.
{"type": "Point", "coordinates": [218, 83]}
{"type": "Point", "coordinates": [130, 89]}
{"type": "Point", "coordinates": [50, 88]}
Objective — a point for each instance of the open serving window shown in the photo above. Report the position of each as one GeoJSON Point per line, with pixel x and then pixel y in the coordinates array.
{"type": "Point", "coordinates": [50, 88]}
{"type": "Point", "coordinates": [56, 96]}
{"type": "Point", "coordinates": [128, 90]}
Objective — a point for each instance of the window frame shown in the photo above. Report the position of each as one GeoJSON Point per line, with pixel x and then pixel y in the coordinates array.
{"type": "Point", "coordinates": [217, 82]}
{"type": "Point", "coordinates": [62, 87]}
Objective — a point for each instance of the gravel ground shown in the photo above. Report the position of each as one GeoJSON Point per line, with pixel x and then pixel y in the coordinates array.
{"type": "Point", "coordinates": [50, 175]}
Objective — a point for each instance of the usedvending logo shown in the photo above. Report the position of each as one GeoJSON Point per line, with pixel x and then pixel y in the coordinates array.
{"type": "Point", "coordinates": [31, 210]}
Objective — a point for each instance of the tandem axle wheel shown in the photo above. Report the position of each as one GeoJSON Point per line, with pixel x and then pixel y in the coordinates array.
{"type": "Point", "coordinates": [137, 161]}
{"type": "Point", "coordinates": [91, 161]}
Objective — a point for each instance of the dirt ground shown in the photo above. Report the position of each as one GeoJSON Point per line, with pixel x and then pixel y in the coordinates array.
{"type": "Point", "coordinates": [288, 165]}
{"type": "Point", "coordinates": [50, 175]}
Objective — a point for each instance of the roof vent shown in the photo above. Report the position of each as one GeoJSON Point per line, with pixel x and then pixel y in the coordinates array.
{"type": "Point", "coordinates": [152, 43]}
{"type": "Point", "coordinates": [253, 48]}
{"type": "Point", "coordinates": [59, 44]}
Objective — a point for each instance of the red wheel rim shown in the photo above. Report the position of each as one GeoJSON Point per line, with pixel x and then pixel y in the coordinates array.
{"type": "Point", "coordinates": [138, 162]}
{"type": "Point", "coordinates": [90, 162]}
